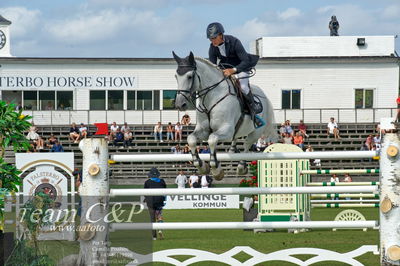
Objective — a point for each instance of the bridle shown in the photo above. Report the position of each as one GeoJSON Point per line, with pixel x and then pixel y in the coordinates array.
{"type": "Point", "coordinates": [202, 92]}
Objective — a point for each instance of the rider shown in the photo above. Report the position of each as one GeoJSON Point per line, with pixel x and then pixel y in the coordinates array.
{"type": "Point", "coordinates": [229, 52]}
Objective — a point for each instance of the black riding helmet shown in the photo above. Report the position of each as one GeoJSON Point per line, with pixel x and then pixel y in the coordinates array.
{"type": "Point", "coordinates": [214, 29]}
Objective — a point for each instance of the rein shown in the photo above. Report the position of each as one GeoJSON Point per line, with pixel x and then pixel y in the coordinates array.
{"type": "Point", "coordinates": [202, 93]}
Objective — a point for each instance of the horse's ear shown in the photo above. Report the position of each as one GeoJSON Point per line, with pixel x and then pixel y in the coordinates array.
{"type": "Point", "coordinates": [177, 58]}
{"type": "Point", "coordinates": [191, 59]}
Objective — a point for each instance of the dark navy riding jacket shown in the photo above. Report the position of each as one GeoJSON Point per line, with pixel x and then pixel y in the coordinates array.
{"type": "Point", "coordinates": [236, 55]}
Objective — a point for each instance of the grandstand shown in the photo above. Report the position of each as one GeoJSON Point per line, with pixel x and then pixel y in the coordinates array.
{"type": "Point", "coordinates": [352, 137]}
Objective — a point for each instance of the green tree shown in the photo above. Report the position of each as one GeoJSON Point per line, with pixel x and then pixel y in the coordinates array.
{"type": "Point", "coordinates": [13, 125]}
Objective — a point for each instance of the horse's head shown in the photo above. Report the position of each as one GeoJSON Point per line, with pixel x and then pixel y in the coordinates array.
{"type": "Point", "coordinates": [187, 81]}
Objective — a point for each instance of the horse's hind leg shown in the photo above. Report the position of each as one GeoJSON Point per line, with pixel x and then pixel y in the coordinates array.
{"type": "Point", "coordinates": [250, 140]}
{"type": "Point", "coordinates": [233, 148]}
{"type": "Point", "coordinates": [198, 135]}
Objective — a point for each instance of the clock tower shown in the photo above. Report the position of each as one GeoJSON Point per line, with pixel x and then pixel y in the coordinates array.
{"type": "Point", "coordinates": [4, 37]}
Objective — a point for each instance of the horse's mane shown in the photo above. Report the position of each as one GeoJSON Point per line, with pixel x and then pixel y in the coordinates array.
{"type": "Point", "coordinates": [207, 62]}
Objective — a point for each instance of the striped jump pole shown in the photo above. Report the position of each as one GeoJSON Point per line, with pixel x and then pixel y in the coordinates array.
{"type": "Point", "coordinates": [329, 155]}
{"type": "Point", "coordinates": [243, 225]}
{"type": "Point", "coordinates": [330, 195]}
{"type": "Point", "coordinates": [344, 201]}
{"type": "Point", "coordinates": [344, 205]}
{"type": "Point", "coordinates": [324, 184]}
{"type": "Point", "coordinates": [340, 171]}
{"type": "Point", "coordinates": [242, 191]}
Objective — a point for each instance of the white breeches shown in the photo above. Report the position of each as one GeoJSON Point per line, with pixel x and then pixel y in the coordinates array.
{"type": "Point", "coordinates": [244, 82]}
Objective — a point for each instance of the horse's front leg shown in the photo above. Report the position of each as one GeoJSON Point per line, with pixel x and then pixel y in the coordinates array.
{"type": "Point", "coordinates": [222, 134]}
{"type": "Point", "coordinates": [198, 135]}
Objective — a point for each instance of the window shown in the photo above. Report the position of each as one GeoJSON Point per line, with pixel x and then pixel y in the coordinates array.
{"type": "Point", "coordinates": [12, 96]}
{"type": "Point", "coordinates": [115, 100]}
{"type": "Point", "coordinates": [291, 99]}
{"type": "Point", "coordinates": [47, 100]}
{"type": "Point", "coordinates": [64, 100]}
{"type": "Point", "coordinates": [144, 100]}
{"type": "Point", "coordinates": [364, 98]}
{"type": "Point", "coordinates": [131, 95]}
{"type": "Point", "coordinates": [168, 100]}
{"type": "Point", "coordinates": [30, 100]}
{"type": "Point", "coordinates": [97, 100]}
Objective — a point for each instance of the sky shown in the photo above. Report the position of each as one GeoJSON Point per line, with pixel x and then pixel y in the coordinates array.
{"type": "Point", "coordinates": [155, 28]}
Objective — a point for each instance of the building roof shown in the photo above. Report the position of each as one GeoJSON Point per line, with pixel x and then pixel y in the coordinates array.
{"type": "Point", "coordinates": [4, 21]}
{"type": "Point", "coordinates": [167, 61]}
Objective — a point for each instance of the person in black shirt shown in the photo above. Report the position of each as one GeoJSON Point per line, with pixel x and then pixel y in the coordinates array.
{"type": "Point", "coordinates": [155, 204]}
{"type": "Point", "coordinates": [228, 52]}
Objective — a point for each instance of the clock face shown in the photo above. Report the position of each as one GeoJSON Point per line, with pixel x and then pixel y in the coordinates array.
{"type": "Point", "coordinates": [2, 39]}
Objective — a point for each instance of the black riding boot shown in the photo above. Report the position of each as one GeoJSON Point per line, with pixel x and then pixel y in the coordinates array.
{"type": "Point", "coordinates": [254, 109]}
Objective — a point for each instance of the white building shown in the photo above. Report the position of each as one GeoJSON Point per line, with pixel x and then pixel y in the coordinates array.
{"type": "Point", "coordinates": [305, 77]}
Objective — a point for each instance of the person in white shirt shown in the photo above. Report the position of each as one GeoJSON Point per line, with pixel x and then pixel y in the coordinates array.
{"type": "Point", "coordinates": [204, 182]}
{"type": "Point", "coordinates": [125, 128]}
{"type": "Point", "coordinates": [181, 180]}
{"type": "Point", "coordinates": [193, 179]}
{"type": "Point", "coordinates": [261, 143]}
{"type": "Point", "coordinates": [333, 129]}
{"type": "Point", "coordinates": [178, 131]}
{"type": "Point", "coordinates": [113, 130]}
{"type": "Point", "coordinates": [158, 132]}
{"type": "Point", "coordinates": [334, 178]}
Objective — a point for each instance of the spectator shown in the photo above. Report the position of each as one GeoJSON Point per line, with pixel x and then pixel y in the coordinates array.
{"type": "Point", "coordinates": [57, 147]}
{"type": "Point", "coordinates": [368, 142]}
{"type": "Point", "coordinates": [33, 136]}
{"type": "Point", "coordinates": [186, 150]}
{"type": "Point", "coordinates": [194, 181]}
{"type": "Point", "coordinates": [288, 128]}
{"type": "Point", "coordinates": [170, 132]}
{"type": "Point", "coordinates": [155, 204]}
{"type": "Point", "coordinates": [204, 181]}
{"type": "Point", "coordinates": [261, 144]}
{"type": "Point", "coordinates": [158, 132]}
{"type": "Point", "coordinates": [315, 162]}
{"type": "Point", "coordinates": [333, 129]}
{"type": "Point", "coordinates": [128, 136]}
{"type": "Point", "coordinates": [181, 180]}
{"type": "Point", "coordinates": [303, 129]}
{"type": "Point", "coordinates": [18, 107]}
{"type": "Point", "coordinates": [176, 149]}
{"type": "Point", "coordinates": [78, 181]}
{"type": "Point", "coordinates": [287, 139]}
{"type": "Point", "coordinates": [198, 149]}
{"type": "Point", "coordinates": [185, 120]}
{"type": "Point", "coordinates": [74, 133]}
{"type": "Point", "coordinates": [282, 130]}
{"type": "Point", "coordinates": [298, 140]}
{"type": "Point", "coordinates": [83, 130]}
{"type": "Point", "coordinates": [178, 131]}
{"type": "Point", "coordinates": [334, 179]}
{"type": "Point", "coordinates": [377, 141]}
{"type": "Point", "coordinates": [347, 178]}
{"type": "Point", "coordinates": [119, 137]}
{"type": "Point", "coordinates": [205, 149]}
{"type": "Point", "coordinates": [51, 141]}
{"type": "Point", "coordinates": [125, 128]}
{"type": "Point", "coordinates": [398, 109]}
{"type": "Point", "coordinates": [113, 131]}
{"type": "Point", "coordinates": [49, 106]}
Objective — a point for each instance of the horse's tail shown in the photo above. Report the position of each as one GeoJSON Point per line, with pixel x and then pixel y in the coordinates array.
{"type": "Point", "coordinates": [270, 130]}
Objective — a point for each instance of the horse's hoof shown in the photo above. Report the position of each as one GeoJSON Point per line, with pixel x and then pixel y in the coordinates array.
{"type": "Point", "coordinates": [218, 173]}
{"type": "Point", "coordinates": [196, 164]}
{"type": "Point", "coordinates": [204, 169]}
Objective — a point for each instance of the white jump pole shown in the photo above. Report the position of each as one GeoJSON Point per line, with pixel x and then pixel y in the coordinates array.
{"type": "Point", "coordinates": [341, 171]}
{"type": "Point", "coordinates": [345, 201]}
{"type": "Point", "coordinates": [242, 191]}
{"type": "Point", "coordinates": [330, 195]}
{"type": "Point", "coordinates": [246, 156]}
{"type": "Point", "coordinates": [243, 225]}
{"type": "Point", "coordinates": [344, 205]}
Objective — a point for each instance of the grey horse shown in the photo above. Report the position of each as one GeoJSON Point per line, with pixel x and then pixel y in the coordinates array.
{"type": "Point", "coordinates": [203, 84]}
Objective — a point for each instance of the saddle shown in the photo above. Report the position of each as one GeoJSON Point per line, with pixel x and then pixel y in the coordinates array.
{"type": "Point", "coordinates": [244, 104]}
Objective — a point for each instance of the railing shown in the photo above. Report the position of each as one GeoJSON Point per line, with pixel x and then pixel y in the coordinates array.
{"type": "Point", "coordinates": [341, 115]}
